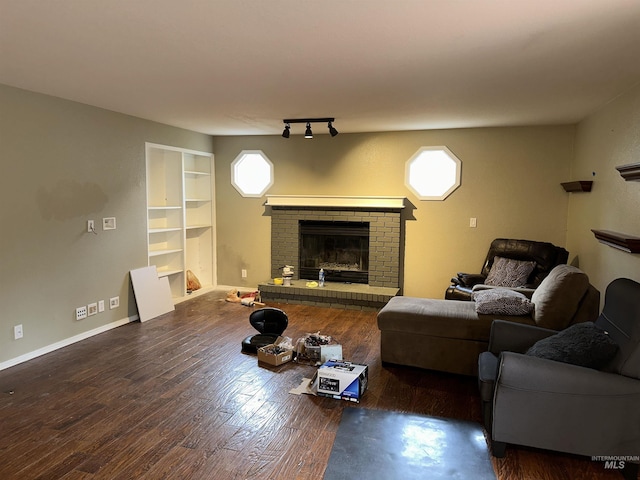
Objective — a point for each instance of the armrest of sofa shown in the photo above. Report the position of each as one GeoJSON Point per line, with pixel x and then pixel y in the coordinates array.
{"type": "Point", "coordinates": [515, 337]}
{"type": "Point", "coordinates": [469, 279]}
{"type": "Point", "coordinates": [558, 406]}
{"type": "Point", "coordinates": [533, 374]}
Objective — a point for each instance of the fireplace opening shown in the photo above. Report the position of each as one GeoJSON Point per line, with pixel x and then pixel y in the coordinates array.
{"type": "Point", "coordinates": [341, 249]}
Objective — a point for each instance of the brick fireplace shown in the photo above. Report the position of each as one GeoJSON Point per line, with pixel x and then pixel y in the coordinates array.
{"type": "Point", "coordinates": [386, 234]}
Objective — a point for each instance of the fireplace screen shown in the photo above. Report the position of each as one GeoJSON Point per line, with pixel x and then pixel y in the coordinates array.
{"type": "Point", "coordinates": [340, 248]}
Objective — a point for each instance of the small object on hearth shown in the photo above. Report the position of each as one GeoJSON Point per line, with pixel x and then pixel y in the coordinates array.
{"type": "Point", "coordinates": [321, 278]}
{"type": "Point", "coordinates": [287, 273]}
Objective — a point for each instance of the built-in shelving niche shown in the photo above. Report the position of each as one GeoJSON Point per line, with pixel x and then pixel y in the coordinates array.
{"type": "Point", "coordinates": [621, 241]}
{"type": "Point", "coordinates": [577, 186]}
{"type": "Point", "coordinates": [630, 172]}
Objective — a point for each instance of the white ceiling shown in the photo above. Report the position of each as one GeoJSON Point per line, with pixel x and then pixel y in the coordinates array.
{"type": "Point", "coordinates": [239, 67]}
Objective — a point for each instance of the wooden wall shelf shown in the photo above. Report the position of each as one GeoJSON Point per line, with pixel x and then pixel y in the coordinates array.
{"type": "Point", "coordinates": [577, 186]}
{"type": "Point", "coordinates": [630, 172]}
{"type": "Point", "coordinates": [621, 241]}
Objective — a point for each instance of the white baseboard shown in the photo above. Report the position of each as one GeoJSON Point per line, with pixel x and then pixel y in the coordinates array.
{"type": "Point", "coordinates": [77, 338]}
{"type": "Point", "coordinates": [66, 342]}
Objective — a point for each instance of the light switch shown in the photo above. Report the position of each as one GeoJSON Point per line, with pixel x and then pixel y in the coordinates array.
{"type": "Point", "coordinates": [109, 223]}
{"type": "Point", "coordinates": [473, 222]}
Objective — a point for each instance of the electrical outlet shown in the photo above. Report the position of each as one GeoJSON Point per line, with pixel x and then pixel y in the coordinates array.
{"type": "Point", "coordinates": [101, 306]}
{"type": "Point", "coordinates": [17, 332]}
{"type": "Point", "coordinates": [114, 302]}
{"type": "Point", "coordinates": [92, 309]}
{"type": "Point", "coordinates": [244, 273]}
{"type": "Point", "coordinates": [473, 222]}
{"type": "Point", "coordinates": [81, 312]}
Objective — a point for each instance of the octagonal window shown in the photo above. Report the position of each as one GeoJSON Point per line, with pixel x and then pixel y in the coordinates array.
{"type": "Point", "coordinates": [252, 173]}
{"type": "Point", "coordinates": [433, 173]}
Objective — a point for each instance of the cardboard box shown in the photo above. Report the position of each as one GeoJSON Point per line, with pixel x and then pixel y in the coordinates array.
{"type": "Point", "coordinates": [341, 380]}
{"type": "Point", "coordinates": [275, 359]}
{"type": "Point", "coordinates": [317, 355]}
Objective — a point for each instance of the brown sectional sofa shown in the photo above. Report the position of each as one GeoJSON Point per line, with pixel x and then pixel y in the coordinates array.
{"type": "Point", "coordinates": [448, 335]}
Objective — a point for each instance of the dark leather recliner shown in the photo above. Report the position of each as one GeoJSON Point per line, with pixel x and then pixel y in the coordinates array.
{"type": "Point", "coordinates": [542, 403]}
{"type": "Point", "coordinates": [545, 254]}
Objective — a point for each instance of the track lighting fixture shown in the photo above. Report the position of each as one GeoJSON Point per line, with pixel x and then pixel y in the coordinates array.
{"type": "Point", "coordinates": [308, 133]}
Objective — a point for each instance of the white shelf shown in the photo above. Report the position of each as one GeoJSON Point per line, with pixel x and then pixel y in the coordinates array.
{"type": "Point", "coordinates": [168, 273]}
{"type": "Point", "coordinates": [191, 172]}
{"type": "Point", "coordinates": [155, 253]}
{"type": "Point", "coordinates": [164, 230]}
{"type": "Point", "coordinates": [180, 215]}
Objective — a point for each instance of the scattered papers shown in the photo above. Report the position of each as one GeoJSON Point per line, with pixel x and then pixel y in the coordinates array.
{"type": "Point", "coordinates": [304, 387]}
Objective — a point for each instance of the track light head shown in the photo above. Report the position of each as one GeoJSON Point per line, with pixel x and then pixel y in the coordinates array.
{"type": "Point", "coordinates": [308, 133]}
{"type": "Point", "coordinates": [332, 130]}
{"type": "Point", "coordinates": [285, 132]}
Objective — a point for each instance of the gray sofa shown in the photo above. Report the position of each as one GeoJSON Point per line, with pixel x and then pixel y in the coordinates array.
{"type": "Point", "coordinates": [449, 335]}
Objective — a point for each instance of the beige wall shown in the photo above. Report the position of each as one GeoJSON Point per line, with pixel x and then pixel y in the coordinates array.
{"type": "Point", "coordinates": [510, 181]}
{"type": "Point", "coordinates": [62, 164]}
{"type": "Point", "coordinates": [606, 139]}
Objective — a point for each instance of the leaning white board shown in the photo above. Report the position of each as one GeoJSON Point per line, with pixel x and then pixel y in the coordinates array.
{"type": "Point", "coordinates": [153, 294]}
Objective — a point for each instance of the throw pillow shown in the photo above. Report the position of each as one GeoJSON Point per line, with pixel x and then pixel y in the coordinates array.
{"type": "Point", "coordinates": [501, 301]}
{"type": "Point", "coordinates": [581, 344]}
{"type": "Point", "coordinates": [558, 296]}
{"type": "Point", "coordinates": [507, 272]}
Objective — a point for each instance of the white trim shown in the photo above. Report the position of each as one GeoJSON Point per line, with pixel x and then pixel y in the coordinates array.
{"type": "Point", "coordinates": [66, 342]}
{"type": "Point", "coordinates": [410, 183]}
{"type": "Point", "coordinates": [177, 149]}
{"type": "Point", "coordinates": [234, 173]}
{"type": "Point", "coordinates": [333, 201]}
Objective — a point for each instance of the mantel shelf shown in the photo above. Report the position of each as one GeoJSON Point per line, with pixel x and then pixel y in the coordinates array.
{"type": "Point", "coordinates": [621, 241]}
{"type": "Point", "coordinates": [577, 186]}
{"type": "Point", "coordinates": [328, 201]}
{"type": "Point", "coordinates": [630, 172]}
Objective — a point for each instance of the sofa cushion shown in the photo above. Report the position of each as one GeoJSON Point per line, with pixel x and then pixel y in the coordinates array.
{"type": "Point", "coordinates": [439, 318]}
{"type": "Point", "coordinates": [501, 301]}
{"type": "Point", "coordinates": [507, 272]}
{"type": "Point", "coordinates": [557, 298]}
{"type": "Point", "coordinates": [583, 344]}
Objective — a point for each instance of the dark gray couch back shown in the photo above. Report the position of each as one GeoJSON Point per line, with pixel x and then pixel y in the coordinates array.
{"type": "Point", "coordinates": [621, 318]}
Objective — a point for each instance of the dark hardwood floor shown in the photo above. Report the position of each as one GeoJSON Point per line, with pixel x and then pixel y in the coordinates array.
{"type": "Point", "coordinates": [175, 398]}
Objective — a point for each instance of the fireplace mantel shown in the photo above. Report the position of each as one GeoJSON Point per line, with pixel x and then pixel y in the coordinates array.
{"type": "Point", "coordinates": [329, 201]}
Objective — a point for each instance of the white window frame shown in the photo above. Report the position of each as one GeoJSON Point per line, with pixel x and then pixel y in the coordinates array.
{"type": "Point", "coordinates": [428, 174]}
{"type": "Point", "coordinates": [241, 184]}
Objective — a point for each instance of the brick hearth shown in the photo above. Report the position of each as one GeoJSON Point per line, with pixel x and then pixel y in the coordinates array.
{"type": "Point", "coordinates": [353, 296]}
